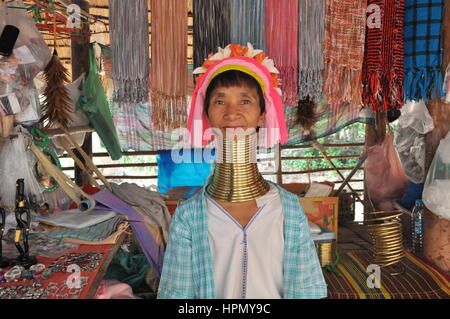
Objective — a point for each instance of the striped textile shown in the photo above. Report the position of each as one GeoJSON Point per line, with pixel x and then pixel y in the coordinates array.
{"type": "Point", "coordinates": [282, 44]}
{"type": "Point", "coordinates": [383, 61]}
{"type": "Point", "coordinates": [418, 281]}
{"type": "Point", "coordinates": [211, 28]}
{"type": "Point", "coordinates": [130, 66]}
{"type": "Point", "coordinates": [311, 37]}
{"type": "Point", "coordinates": [168, 71]}
{"type": "Point", "coordinates": [134, 127]}
{"type": "Point", "coordinates": [248, 23]}
{"type": "Point", "coordinates": [345, 28]}
{"type": "Point", "coordinates": [423, 49]}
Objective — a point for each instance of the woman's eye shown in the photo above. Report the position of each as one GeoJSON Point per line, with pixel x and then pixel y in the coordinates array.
{"type": "Point", "coordinates": [220, 102]}
{"type": "Point", "coordinates": [245, 101]}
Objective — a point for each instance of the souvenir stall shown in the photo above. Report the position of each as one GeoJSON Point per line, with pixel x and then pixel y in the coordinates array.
{"type": "Point", "coordinates": [130, 77]}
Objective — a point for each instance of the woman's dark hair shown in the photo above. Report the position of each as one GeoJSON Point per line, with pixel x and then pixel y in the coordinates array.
{"type": "Point", "coordinates": [234, 78]}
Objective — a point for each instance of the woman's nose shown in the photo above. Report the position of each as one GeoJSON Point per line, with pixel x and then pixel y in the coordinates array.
{"type": "Point", "coordinates": [232, 111]}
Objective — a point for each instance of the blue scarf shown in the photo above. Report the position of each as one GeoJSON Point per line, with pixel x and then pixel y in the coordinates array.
{"type": "Point", "coordinates": [423, 49]}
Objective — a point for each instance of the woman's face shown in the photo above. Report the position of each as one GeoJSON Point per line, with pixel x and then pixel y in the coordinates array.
{"type": "Point", "coordinates": [233, 108]}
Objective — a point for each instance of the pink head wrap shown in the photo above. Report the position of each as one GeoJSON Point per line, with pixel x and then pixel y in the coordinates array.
{"type": "Point", "coordinates": [275, 124]}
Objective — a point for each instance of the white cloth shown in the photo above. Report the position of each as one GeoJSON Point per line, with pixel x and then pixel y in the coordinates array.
{"type": "Point", "coordinates": [248, 262]}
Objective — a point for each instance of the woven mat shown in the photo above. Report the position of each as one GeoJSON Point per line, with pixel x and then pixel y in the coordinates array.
{"type": "Point", "coordinates": [418, 281]}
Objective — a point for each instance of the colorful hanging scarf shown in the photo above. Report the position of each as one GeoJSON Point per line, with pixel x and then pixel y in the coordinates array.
{"type": "Point", "coordinates": [310, 45]}
{"type": "Point", "coordinates": [423, 49]}
{"type": "Point", "coordinates": [247, 25]}
{"type": "Point", "coordinates": [130, 50]}
{"type": "Point", "coordinates": [344, 51]}
{"type": "Point", "coordinates": [282, 44]}
{"type": "Point", "coordinates": [211, 27]}
{"type": "Point", "coordinates": [383, 61]}
{"type": "Point", "coordinates": [169, 58]}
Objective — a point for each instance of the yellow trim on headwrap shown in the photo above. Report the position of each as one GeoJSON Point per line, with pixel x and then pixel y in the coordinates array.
{"type": "Point", "coordinates": [229, 67]}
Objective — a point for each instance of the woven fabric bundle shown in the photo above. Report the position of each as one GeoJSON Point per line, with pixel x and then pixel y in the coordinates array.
{"type": "Point", "coordinates": [344, 51]}
{"type": "Point", "coordinates": [211, 28]}
{"type": "Point", "coordinates": [130, 50]}
{"type": "Point", "coordinates": [423, 49]}
{"type": "Point", "coordinates": [169, 71]}
{"type": "Point", "coordinates": [282, 44]}
{"type": "Point", "coordinates": [383, 61]}
{"type": "Point", "coordinates": [248, 22]}
{"type": "Point", "coordinates": [310, 45]}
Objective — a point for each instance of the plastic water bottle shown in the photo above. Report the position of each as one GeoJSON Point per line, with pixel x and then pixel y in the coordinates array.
{"type": "Point", "coordinates": [417, 227]}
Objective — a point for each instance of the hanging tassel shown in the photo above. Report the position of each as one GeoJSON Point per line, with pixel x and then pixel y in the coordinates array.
{"type": "Point", "coordinates": [307, 116]}
{"type": "Point", "coordinates": [57, 103]}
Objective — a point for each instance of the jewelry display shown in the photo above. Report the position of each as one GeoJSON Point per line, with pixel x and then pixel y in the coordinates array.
{"type": "Point", "coordinates": [87, 261]}
{"type": "Point", "coordinates": [36, 272]}
{"type": "Point", "coordinates": [37, 290]}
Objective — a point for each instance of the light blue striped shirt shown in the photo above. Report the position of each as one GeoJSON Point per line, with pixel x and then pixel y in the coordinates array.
{"type": "Point", "coordinates": [188, 268]}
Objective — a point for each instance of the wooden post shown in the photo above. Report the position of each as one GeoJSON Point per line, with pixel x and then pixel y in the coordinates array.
{"type": "Point", "coordinates": [374, 135]}
{"type": "Point", "coordinates": [437, 230]}
{"type": "Point", "coordinates": [80, 65]}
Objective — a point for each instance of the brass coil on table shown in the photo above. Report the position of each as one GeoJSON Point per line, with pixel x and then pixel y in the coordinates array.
{"type": "Point", "coordinates": [386, 230]}
{"type": "Point", "coordinates": [326, 252]}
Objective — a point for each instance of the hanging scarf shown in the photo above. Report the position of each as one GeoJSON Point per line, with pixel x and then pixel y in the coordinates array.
{"type": "Point", "coordinates": [248, 22]}
{"type": "Point", "coordinates": [169, 58]}
{"type": "Point", "coordinates": [130, 50]}
{"type": "Point", "coordinates": [383, 61]}
{"type": "Point", "coordinates": [344, 51]}
{"type": "Point", "coordinates": [282, 44]}
{"type": "Point", "coordinates": [311, 37]}
{"type": "Point", "coordinates": [211, 28]}
{"type": "Point", "coordinates": [423, 49]}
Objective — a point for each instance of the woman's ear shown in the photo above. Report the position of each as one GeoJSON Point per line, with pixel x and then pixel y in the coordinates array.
{"type": "Point", "coordinates": [261, 119]}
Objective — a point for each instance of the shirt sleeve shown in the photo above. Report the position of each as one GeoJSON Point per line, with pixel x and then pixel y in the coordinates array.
{"type": "Point", "coordinates": [313, 285]}
{"type": "Point", "coordinates": [176, 278]}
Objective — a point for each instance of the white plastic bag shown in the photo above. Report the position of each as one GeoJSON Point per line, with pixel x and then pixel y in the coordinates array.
{"type": "Point", "coordinates": [16, 162]}
{"type": "Point", "coordinates": [30, 48]}
{"type": "Point", "coordinates": [436, 192]}
{"type": "Point", "coordinates": [410, 146]}
{"type": "Point", "coordinates": [409, 141]}
{"type": "Point", "coordinates": [446, 98]}
{"type": "Point", "coordinates": [416, 116]}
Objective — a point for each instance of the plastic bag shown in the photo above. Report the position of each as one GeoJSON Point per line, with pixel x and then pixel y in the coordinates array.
{"type": "Point", "coordinates": [386, 180]}
{"type": "Point", "coordinates": [410, 146]}
{"type": "Point", "coordinates": [36, 49]}
{"type": "Point", "coordinates": [446, 98]}
{"type": "Point", "coordinates": [416, 116]}
{"type": "Point", "coordinates": [437, 185]}
{"type": "Point", "coordinates": [16, 162]}
{"type": "Point", "coordinates": [409, 141]}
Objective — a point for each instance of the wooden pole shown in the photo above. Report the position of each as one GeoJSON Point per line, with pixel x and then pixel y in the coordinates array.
{"type": "Point", "coordinates": [80, 65]}
{"type": "Point", "coordinates": [437, 230]}
{"type": "Point", "coordinates": [374, 135]}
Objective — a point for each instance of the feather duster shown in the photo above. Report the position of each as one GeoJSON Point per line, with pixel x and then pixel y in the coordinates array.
{"type": "Point", "coordinates": [57, 103]}
{"type": "Point", "coordinates": [307, 116]}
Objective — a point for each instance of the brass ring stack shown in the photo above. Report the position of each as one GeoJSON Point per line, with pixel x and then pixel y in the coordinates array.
{"type": "Point", "coordinates": [386, 230]}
